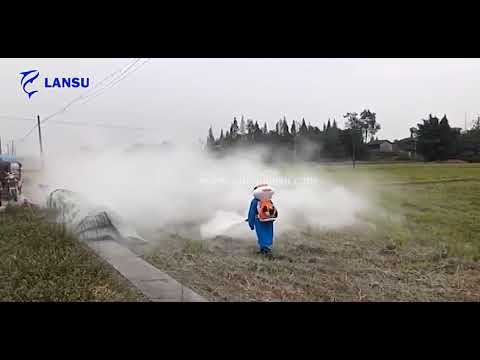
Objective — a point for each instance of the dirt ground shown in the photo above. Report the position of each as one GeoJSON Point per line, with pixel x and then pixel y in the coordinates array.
{"type": "Point", "coordinates": [432, 255]}
{"type": "Point", "coordinates": [336, 266]}
{"type": "Point", "coordinates": [421, 244]}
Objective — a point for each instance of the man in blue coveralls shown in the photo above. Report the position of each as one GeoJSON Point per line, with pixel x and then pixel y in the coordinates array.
{"type": "Point", "coordinates": [264, 230]}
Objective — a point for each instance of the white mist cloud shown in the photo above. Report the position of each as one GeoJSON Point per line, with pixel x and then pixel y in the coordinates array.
{"type": "Point", "coordinates": [154, 189]}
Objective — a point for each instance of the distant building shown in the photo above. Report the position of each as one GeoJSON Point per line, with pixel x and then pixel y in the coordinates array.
{"type": "Point", "coordinates": [139, 147]}
{"type": "Point", "coordinates": [381, 146]}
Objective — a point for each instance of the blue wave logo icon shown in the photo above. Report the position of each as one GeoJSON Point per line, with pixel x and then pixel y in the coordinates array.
{"type": "Point", "coordinates": [28, 78]}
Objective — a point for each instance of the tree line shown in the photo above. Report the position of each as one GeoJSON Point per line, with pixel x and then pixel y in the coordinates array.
{"type": "Point", "coordinates": [436, 140]}
{"type": "Point", "coordinates": [431, 140]}
{"type": "Point", "coordinates": [298, 139]}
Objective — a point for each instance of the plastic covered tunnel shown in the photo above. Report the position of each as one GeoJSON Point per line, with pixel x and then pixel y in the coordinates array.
{"type": "Point", "coordinates": [88, 221]}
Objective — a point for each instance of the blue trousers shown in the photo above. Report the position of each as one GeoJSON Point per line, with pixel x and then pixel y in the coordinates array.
{"type": "Point", "coordinates": [264, 232]}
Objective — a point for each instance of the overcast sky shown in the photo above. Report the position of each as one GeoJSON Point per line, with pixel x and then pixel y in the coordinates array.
{"type": "Point", "coordinates": [185, 96]}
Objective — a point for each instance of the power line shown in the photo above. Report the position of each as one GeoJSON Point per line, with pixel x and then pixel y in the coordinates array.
{"type": "Point", "coordinates": [26, 135]}
{"type": "Point", "coordinates": [7, 117]}
{"type": "Point", "coordinates": [121, 71]}
{"type": "Point", "coordinates": [65, 108]}
{"type": "Point", "coordinates": [97, 125]}
{"type": "Point", "coordinates": [18, 118]}
{"type": "Point", "coordinates": [77, 98]}
{"type": "Point", "coordinates": [93, 96]}
{"type": "Point", "coordinates": [102, 125]}
{"type": "Point", "coordinates": [127, 67]}
{"type": "Point", "coordinates": [86, 95]}
{"type": "Point", "coordinates": [109, 76]}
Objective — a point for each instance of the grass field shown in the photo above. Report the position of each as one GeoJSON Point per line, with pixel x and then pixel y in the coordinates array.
{"type": "Point", "coordinates": [439, 204]}
{"type": "Point", "coordinates": [39, 261]}
{"type": "Point", "coordinates": [423, 244]}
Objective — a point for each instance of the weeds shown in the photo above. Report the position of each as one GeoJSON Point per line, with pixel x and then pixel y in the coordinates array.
{"type": "Point", "coordinates": [40, 261]}
{"type": "Point", "coordinates": [418, 243]}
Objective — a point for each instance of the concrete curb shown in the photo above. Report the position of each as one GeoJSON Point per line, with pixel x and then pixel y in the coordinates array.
{"type": "Point", "coordinates": [96, 229]}
{"type": "Point", "coordinates": [153, 283]}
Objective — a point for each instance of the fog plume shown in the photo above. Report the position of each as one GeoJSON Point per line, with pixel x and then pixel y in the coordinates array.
{"type": "Point", "coordinates": [161, 187]}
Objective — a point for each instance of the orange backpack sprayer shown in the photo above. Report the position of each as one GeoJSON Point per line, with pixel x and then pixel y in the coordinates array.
{"type": "Point", "coordinates": [261, 215]}
{"type": "Point", "coordinates": [266, 211]}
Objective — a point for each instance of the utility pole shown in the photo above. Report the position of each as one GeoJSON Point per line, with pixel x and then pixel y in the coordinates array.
{"type": "Point", "coordinates": [295, 146]}
{"type": "Point", "coordinates": [415, 147]}
{"type": "Point", "coordinates": [0, 145]}
{"type": "Point", "coordinates": [13, 147]}
{"type": "Point", "coordinates": [353, 147]}
{"type": "Point", "coordinates": [40, 140]}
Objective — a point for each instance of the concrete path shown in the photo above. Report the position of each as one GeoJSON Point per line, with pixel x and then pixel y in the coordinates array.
{"type": "Point", "coordinates": [153, 283]}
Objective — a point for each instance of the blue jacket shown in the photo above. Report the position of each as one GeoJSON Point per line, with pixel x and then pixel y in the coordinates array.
{"type": "Point", "coordinates": [264, 230]}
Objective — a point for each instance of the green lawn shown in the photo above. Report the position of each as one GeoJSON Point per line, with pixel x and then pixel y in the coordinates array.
{"type": "Point", "coordinates": [433, 204]}
{"type": "Point", "coordinates": [438, 205]}
{"type": "Point", "coordinates": [39, 261]}
{"type": "Point", "coordinates": [384, 173]}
